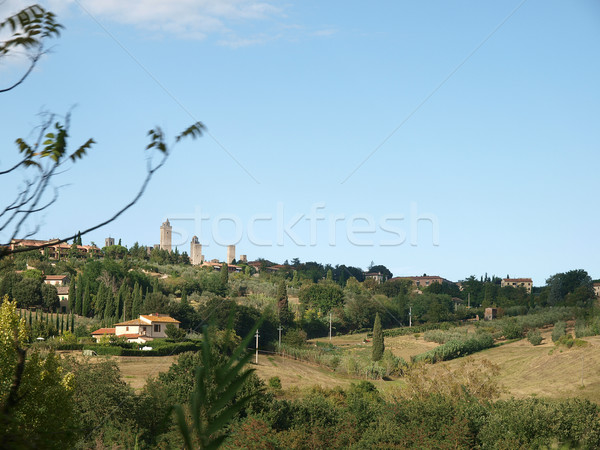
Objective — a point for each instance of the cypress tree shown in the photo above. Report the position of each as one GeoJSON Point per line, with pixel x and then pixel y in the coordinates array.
{"type": "Point", "coordinates": [62, 324]}
{"type": "Point", "coordinates": [72, 294]}
{"type": "Point", "coordinates": [72, 323]}
{"type": "Point", "coordinates": [57, 321]}
{"type": "Point", "coordinates": [120, 300]}
{"type": "Point", "coordinates": [378, 345]}
{"type": "Point", "coordinates": [184, 300]}
{"type": "Point", "coordinates": [79, 299]}
{"type": "Point", "coordinates": [100, 301]}
{"type": "Point", "coordinates": [285, 315]}
{"type": "Point", "coordinates": [127, 303]}
{"type": "Point", "coordinates": [136, 303]}
{"type": "Point", "coordinates": [30, 321]}
{"type": "Point", "coordinates": [224, 275]}
{"type": "Point", "coordinates": [329, 275]}
{"type": "Point", "coordinates": [85, 307]}
{"type": "Point", "coordinates": [109, 309]}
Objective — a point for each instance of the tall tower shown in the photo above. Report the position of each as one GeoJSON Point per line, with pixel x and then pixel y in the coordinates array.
{"type": "Point", "coordinates": [165, 236]}
{"type": "Point", "coordinates": [109, 242]}
{"type": "Point", "coordinates": [196, 256]}
{"type": "Point", "coordinates": [230, 254]}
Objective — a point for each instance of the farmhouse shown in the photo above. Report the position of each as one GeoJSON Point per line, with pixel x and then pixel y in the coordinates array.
{"type": "Point", "coordinates": [145, 328]}
{"type": "Point", "coordinates": [527, 283]}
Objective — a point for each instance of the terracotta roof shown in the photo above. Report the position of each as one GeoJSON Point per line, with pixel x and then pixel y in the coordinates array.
{"type": "Point", "coordinates": [517, 280]}
{"type": "Point", "coordinates": [56, 277]}
{"type": "Point", "coordinates": [160, 318]}
{"type": "Point", "coordinates": [102, 331]}
{"type": "Point", "coordinates": [434, 277]}
{"type": "Point", "coordinates": [131, 322]}
{"type": "Point", "coordinates": [129, 336]}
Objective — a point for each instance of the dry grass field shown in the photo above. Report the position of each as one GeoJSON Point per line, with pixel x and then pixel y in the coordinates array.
{"type": "Point", "coordinates": [525, 370]}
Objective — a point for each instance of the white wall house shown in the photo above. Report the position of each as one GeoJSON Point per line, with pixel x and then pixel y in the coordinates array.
{"type": "Point", "coordinates": [141, 330]}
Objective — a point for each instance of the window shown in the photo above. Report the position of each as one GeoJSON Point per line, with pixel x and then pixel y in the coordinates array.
{"type": "Point", "coordinates": [126, 328]}
{"type": "Point", "coordinates": [157, 328]}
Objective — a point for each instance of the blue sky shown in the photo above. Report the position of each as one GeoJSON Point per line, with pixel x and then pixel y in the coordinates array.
{"type": "Point", "coordinates": [480, 118]}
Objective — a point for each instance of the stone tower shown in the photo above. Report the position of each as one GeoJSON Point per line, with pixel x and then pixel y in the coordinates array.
{"type": "Point", "coordinates": [109, 241]}
{"type": "Point", "coordinates": [230, 254]}
{"type": "Point", "coordinates": [196, 256]}
{"type": "Point", "coordinates": [165, 236]}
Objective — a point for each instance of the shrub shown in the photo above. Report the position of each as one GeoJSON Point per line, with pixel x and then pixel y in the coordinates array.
{"type": "Point", "coordinates": [275, 383]}
{"type": "Point", "coordinates": [456, 348]}
{"type": "Point", "coordinates": [560, 329]}
{"type": "Point", "coordinates": [294, 338]}
{"type": "Point", "coordinates": [534, 337]}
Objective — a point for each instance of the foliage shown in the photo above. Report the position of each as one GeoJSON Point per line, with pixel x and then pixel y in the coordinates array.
{"type": "Point", "coordinates": [217, 383]}
{"type": "Point", "coordinates": [175, 333]}
{"type": "Point", "coordinates": [35, 395]}
{"type": "Point", "coordinates": [559, 330]}
{"type": "Point", "coordinates": [378, 344]}
{"type": "Point", "coordinates": [456, 348]}
{"type": "Point", "coordinates": [534, 337]}
{"type": "Point", "coordinates": [323, 296]}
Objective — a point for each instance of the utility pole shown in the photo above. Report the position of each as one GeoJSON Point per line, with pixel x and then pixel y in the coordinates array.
{"type": "Point", "coordinates": [256, 335]}
{"type": "Point", "coordinates": [280, 328]}
{"type": "Point", "coordinates": [410, 316]}
{"type": "Point", "coordinates": [329, 325]}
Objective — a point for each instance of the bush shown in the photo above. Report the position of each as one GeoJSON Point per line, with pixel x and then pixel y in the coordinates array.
{"type": "Point", "coordinates": [560, 329]}
{"type": "Point", "coordinates": [275, 383]}
{"type": "Point", "coordinates": [295, 338]}
{"type": "Point", "coordinates": [456, 348]}
{"type": "Point", "coordinates": [534, 337]}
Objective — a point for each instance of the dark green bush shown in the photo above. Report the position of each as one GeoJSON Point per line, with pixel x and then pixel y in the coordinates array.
{"type": "Point", "coordinates": [534, 337]}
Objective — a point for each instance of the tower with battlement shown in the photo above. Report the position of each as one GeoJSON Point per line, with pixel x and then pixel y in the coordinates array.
{"type": "Point", "coordinates": [196, 257]}
{"type": "Point", "coordinates": [165, 236]}
{"type": "Point", "coordinates": [109, 241]}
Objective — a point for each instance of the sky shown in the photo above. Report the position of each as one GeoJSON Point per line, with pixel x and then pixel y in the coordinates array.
{"type": "Point", "coordinates": [447, 138]}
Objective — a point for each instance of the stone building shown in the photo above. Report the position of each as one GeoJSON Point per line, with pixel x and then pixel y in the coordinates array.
{"type": "Point", "coordinates": [165, 236]}
{"type": "Point", "coordinates": [196, 256]}
{"type": "Point", "coordinates": [230, 254]}
{"type": "Point", "coordinates": [109, 241]}
{"type": "Point", "coordinates": [527, 283]}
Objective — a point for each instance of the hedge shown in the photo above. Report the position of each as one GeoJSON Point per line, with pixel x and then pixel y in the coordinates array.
{"type": "Point", "coordinates": [164, 349]}
{"type": "Point", "coordinates": [456, 348]}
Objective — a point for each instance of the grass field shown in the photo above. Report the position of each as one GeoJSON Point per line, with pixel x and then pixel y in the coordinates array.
{"type": "Point", "coordinates": [525, 370]}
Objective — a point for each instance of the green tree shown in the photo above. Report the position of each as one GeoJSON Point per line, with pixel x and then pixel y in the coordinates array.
{"type": "Point", "coordinates": [175, 333]}
{"type": "Point", "coordinates": [87, 301]}
{"type": "Point", "coordinates": [378, 344]}
{"type": "Point", "coordinates": [136, 303]}
{"type": "Point", "coordinates": [72, 294]}
{"type": "Point", "coordinates": [35, 394]}
{"type": "Point", "coordinates": [224, 275]}
{"type": "Point", "coordinates": [79, 299]}
{"type": "Point", "coordinates": [50, 298]}
{"type": "Point", "coordinates": [286, 317]}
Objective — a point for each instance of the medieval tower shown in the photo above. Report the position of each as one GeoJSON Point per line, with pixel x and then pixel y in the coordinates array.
{"type": "Point", "coordinates": [109, 241]}
{"type": "Point", "coordinates": [230, 254]}
{"type": "Point", "coordinates": [165, 236]}
{"type": "Point", "coordinates": [196, 256]}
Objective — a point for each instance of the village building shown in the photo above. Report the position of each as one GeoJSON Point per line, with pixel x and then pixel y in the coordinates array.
{"type": "Point", "coordinates": [377, 276]}
{"type": "Point", "coordinates": [424, 281]}
{"type": "Point", "coordinates": [527, 283]}
{"type": "Point", "coordinates": [144, 329]}
{"type": "Point", "coordinates": [53, 249]}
